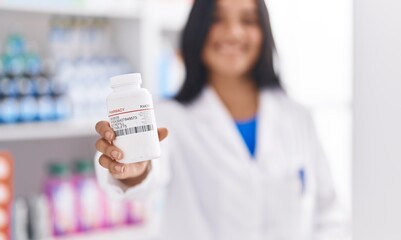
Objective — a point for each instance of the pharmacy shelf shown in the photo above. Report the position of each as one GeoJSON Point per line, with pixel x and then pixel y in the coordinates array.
{"type": "Point", "coordinates": [173, 15]}
{"type": "Point", "coordinates": [127, 233]}
{"type": "Point", "coordinates": [47, 130]}
{"type": "Point", "coordinates": [100, 8]}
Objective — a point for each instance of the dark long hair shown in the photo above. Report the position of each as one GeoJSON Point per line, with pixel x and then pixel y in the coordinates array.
{"type": "Point", "coordinates": [192, 42]}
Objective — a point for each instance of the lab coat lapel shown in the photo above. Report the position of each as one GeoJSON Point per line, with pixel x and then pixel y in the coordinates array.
{"type": "Point", "coordinates": [267, 128]}
{"type": "Point", "coordinates": [211, 110]}
{"type": "Point", "coordinates": [272, 143]}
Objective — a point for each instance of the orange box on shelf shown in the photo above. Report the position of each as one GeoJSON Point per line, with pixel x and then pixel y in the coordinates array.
{"type": "Point", "coordinates": [6, 194]}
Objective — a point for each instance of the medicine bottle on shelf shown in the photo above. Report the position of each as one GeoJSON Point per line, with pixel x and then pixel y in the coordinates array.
{"type": "Point", "coordinates": [131, 115]}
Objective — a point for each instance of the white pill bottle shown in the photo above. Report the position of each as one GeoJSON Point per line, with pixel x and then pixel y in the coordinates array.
{"type": "Point", "coordinates": [131, 115]}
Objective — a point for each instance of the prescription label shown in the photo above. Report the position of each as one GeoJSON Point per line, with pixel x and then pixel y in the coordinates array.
{"type": "Point", "coordinates": [132, 119]}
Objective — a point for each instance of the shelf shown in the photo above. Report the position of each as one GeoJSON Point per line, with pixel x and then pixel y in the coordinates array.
{"type": "Point", "coordinates": [126, 233]}
{"type": "Point", "coordinates": [96, 8]}
{"type": "Point", "coordinates": [47, 130]}
{"type": "Point", "coordinates": [172, 15]}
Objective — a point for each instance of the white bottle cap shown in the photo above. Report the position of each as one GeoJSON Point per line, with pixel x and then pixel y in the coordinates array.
{"type": "Point", "coordinates": [126, 79]}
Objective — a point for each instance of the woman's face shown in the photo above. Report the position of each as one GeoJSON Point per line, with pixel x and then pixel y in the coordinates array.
{"type": "Point", "coordinates": [234, 40]}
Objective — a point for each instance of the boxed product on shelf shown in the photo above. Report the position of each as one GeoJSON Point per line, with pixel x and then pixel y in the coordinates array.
{"type": "Point", "coordinates": [6, 194]}
{"type": "Point", "coordinates": [72, 204]}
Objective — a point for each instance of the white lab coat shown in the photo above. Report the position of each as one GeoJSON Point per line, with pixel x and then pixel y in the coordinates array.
{"type": "Point", "coordinates": [215, 190]}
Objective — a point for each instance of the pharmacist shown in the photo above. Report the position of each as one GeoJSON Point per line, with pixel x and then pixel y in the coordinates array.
{"type": "Point", "coordinates": [241, 160]}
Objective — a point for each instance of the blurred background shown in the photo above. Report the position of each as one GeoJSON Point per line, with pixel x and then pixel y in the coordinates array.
{"type": "Point", "coordinates": [56, 58]}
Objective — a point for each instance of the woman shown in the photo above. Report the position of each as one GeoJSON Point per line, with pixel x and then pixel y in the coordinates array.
{"type": "Point", "coordinates": [242, 161]}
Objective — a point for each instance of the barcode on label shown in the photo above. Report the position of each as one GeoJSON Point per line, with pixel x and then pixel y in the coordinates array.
{"type": "Point", "coordinates": [132, 130]}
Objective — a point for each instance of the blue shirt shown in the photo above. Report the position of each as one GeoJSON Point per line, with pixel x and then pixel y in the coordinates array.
{"type": "Point", "coordinates": [248, 132]}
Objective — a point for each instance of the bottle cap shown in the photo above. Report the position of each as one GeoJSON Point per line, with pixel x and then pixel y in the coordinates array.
{"type": "Point", "coordinates": [58, 169]}
{"type": "Point", "coordinates": [83, 166]}
{"type": "Point", "coordinates": [126, 79]}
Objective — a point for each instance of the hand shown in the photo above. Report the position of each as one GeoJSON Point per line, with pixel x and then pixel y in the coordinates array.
{"type": "Point", "coordinates": [128, 173]}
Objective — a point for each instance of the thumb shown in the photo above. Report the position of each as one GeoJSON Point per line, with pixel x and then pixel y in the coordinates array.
{"type": "Point", "coordinates": [162, 132]}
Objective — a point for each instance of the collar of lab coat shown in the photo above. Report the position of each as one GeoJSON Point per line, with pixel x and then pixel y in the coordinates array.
{"type": "Point", "coordinates": [210, 110]}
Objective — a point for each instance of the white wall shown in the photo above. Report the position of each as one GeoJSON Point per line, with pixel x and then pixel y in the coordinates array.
{"type": "Point", "coordinates": [377, 120]}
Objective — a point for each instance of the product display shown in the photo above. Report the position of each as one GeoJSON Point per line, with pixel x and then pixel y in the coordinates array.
{"type": "Point", "coordinates": [61, 196]}
{"type": "Point", "coordinates": [69, 83]}
{"type": "Point", "coordinates": [71, 203]}
{"type": "Point", "coordinates": [132, 118]}
{"type": "Point", "coordinates": [89, 202]}
{"type": "Point", "coordinates": [20, 219]}
{"type": "Point", "coordinates": [56, 61]}
{"type": "Point", "coordinates": [84, 60]}
{"type": "Point", "coordinates": [39, 224]}
{"type": "Point", "coordinates": [6, 194]}
{"type": "Point", "coordinates": [27, 93]}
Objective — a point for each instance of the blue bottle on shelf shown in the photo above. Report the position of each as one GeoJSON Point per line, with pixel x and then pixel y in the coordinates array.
{"type": "Point", "coordinates": [25, 86]}
{"type": "Point", "coordinates": [58, 87]}
{"type": "Point", "coordinates": [14, 65]}
{"type": "Point", "coordinates": [46, 108]}
{"type": "Point", "coordinates": [2, 73]}
{"type": "Point", "coordinates": [15, 45]}
{"type": "Point", "coordinates": [33, 65]}
{"type": "Point", "coordinates": [42, 86]}
{"type": "Point", "coordinates": [8, 87]}
{"type": "Point", "coordinates": [28, 109]}
{"type": "Point", "coordinates": [9, 110]}
{"type": "Point", "coordinates": [63, 107]}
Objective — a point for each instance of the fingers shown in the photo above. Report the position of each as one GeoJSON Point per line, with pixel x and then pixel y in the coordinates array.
{"type": "Point", "coordinates": [113, 166]}
{"type": "Point", "coordinates": [162, 132]}
{"type": "Point", "coordinates": [104, 130]}
{"type": "Point", "coordinates": [132, 170]}
{"type": "Point", "coordinates": [123, 171]}
{"type": "Point", "coordinates": [111, 153]}
{"type": "Point", "coordinates": [109, 150]}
